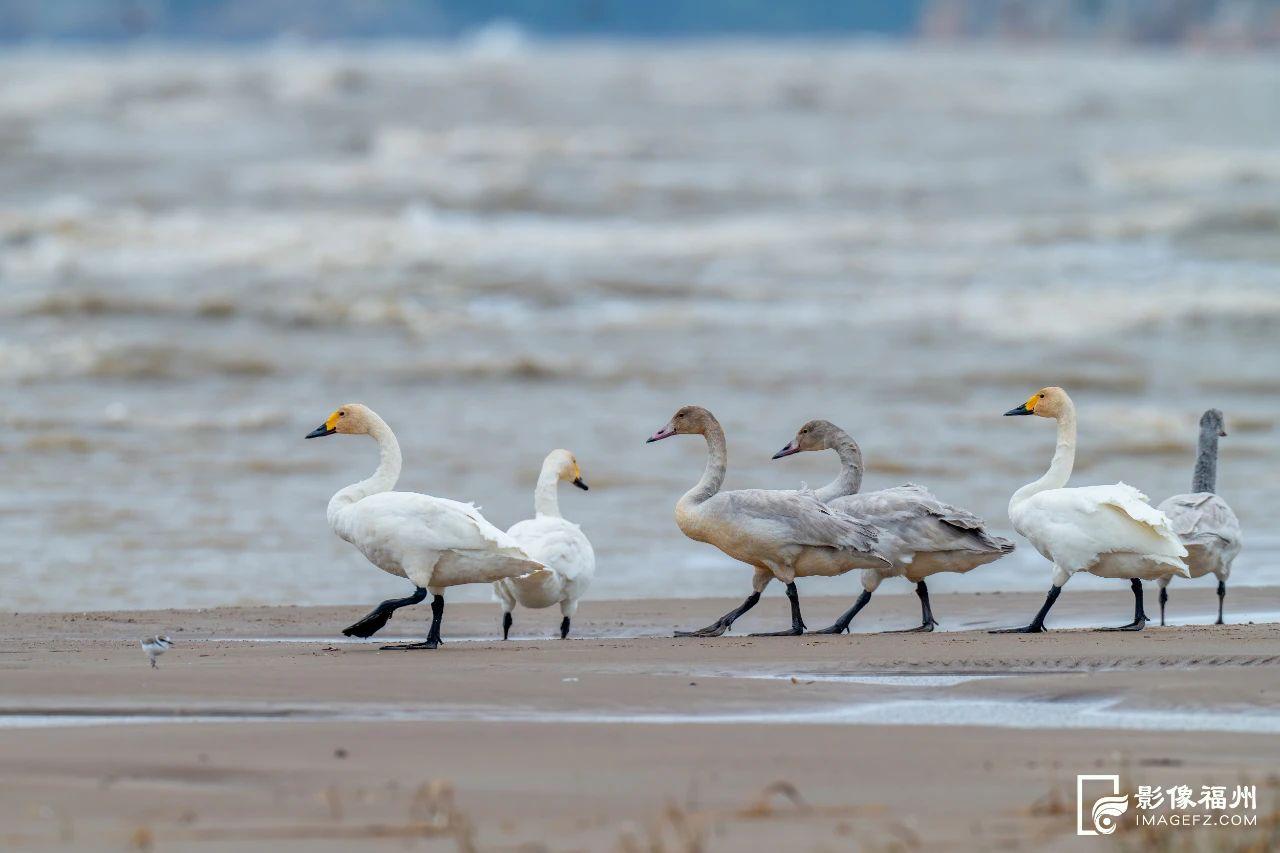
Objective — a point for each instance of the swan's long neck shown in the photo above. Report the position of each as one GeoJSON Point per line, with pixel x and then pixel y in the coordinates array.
{"type": "Point", "coordinates": [546, 500]}
{"type": "Point", "coordinates": [1205, 478]}
{"type": "Point", "coordinates": [717, 462]}
{"type": "Point", "coordinates": [850, 479]}
{"type": "Point", "coordinates": [383, 479]}
{"type": "Point", "coordinates": [1064, 456]}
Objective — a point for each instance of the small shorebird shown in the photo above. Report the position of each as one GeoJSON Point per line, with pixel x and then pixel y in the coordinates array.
{"type": "Point", "coordinates": [154, 647]}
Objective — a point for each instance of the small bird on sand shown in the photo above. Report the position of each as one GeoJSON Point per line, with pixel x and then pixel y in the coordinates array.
{"type": "Point", "coordinates": [154, 647]}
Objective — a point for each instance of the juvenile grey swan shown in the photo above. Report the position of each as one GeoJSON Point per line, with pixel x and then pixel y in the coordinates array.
{"type": "Point", "coordinates": [1203, 521]}
{"type": "Point", "coordinates": [921, 535]}
{"type": "Point", "coordinates": [784, 535]}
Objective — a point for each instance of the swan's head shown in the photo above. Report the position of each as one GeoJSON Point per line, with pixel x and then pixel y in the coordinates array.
{"type": "Point", "coordinates": [351, 419]}
{"type": "Point", "coordinates": [565, 464]}
{"type": "Point", "coordinates": [1213, 421]}
{"type": "Point", "coordinates": [688, 420]}
{"type": "Point", "coordinates": [815, 435]}
{"type": "Point", "coordinates": [1048, 402]}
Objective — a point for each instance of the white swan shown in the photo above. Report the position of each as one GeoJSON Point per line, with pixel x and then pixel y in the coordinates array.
{"type": "Point", "coordinates": [920, 534]}
{"type": "Point", "coordinates": [1203, 521]}
{"type": "Point", "coordinates": [784, 535]}
{"type": "Point", "coordinates": [558, 544]}
{"type": "Point", "coordinates": [1108, 531]}
{"type": "Point", "coordinates": [434, 542]}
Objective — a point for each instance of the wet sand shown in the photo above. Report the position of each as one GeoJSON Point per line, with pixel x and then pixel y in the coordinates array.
{"type": "Point", "coordinates": [261, 728]}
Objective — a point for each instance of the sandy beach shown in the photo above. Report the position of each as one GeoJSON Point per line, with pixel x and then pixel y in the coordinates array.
{"type": "Point", "coordinates": [264, 726]}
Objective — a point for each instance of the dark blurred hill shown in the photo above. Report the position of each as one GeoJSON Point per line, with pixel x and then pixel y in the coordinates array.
{"type": "Point", "coordinates": [1223, 23]}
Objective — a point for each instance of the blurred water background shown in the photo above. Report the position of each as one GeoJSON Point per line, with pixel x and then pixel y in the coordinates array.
{"type": "Point", "coordinates": [506, 242]}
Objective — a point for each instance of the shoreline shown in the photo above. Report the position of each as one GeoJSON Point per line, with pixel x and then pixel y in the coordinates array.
{"type": "Point", "coordinates": [258, 726]}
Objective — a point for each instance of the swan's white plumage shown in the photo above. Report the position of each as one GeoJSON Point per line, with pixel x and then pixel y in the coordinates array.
{"type": "Point", "coordinates": [1110, 531]}
{"type": "Point", "coordinates": [434, 542]}
{"type": "Point", "coordinates": [564, 549]}
{"type": "Point", "coordinates": [553, 541]}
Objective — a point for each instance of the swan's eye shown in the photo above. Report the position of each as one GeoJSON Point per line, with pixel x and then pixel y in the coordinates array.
{"type": "Point", "coordinates": [344, 414]}
{"type": "Point", "coordinates": [1041, 396]}
{"type": "Point", "coordinates": [681, 415]}
{"type": "Point", "coordinates": [804, 432]}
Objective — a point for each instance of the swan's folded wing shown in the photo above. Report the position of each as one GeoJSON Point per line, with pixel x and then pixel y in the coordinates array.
{"type": "Point", "coordinates": [439, 524]}
{"type": "Point", "coordinates": [801, 518]}
{"type": "Point", "coordinates": [923, 522]}
{"type": "Point", "coordinates": [557, 543]}
{"type": "Point", "coordinates": [1086, 522]}
{"type": "Point", "coordinates": [1133, 504]}
{"type": "Point", "coordinates": [1203, 516]}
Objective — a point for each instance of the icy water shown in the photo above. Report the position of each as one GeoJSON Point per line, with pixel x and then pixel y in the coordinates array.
{"type": "Point", "coordinates": [509, 250]}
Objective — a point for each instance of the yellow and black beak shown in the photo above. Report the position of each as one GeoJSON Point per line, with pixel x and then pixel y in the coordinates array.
{"type": "Point", "coordinates": [329, 427]}
{"type": "Point", "coordinates": [580, 483]}
{"type": "Point", "coordinates": [1027, 408]}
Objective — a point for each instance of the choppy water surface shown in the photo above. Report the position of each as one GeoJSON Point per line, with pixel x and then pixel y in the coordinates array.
{"type": "Point", "coordinates": [201, 254]}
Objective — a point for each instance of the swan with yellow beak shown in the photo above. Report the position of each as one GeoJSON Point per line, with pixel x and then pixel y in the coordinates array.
{"type": "Point", "coordinates": [1108, 531]}
{"type": "Point", "coordinates": [433, 542]}
{"type": "Point", "coordinates": [555, 541]}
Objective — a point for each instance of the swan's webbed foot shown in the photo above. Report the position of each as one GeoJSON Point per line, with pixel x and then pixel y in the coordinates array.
{"type": "Point", "coordinates": [797, 621]}
{"type": "Point", "coordinates": [368, 626]}
{"type": "Point", "coordinates": [715, 629]}
{"type": "Point", "coordinates": [725, 622]}
{"type": "Point", "coordinates": [1136, 625]}
{"type": "Point", "coordinates": [842, 624]}
{"type": "Point", "coordinates": [377, 619]}
{"type": "Point", "coordinates": [924, 628]}
{"type": "Point", "coordinates": [428, 643]}
{"type": "Point", "coordinates": [433, 635]}
{"type": "Point", "coordinates": [1037, 624]}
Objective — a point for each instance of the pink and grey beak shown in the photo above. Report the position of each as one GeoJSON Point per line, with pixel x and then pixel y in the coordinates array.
{"type": "Point", "coordinates": [793, 447]}
{"type": "Point", "coordinates": [666, 432]}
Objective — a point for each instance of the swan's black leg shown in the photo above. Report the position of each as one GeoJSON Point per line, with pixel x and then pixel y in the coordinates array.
{"type": "Point", "coordinates": [433, 635]}
{"type": "Point", "coordinates": [564, 628]}
{"type": "Point", "coordinates": [377, 618]}
{"type": "Point", "coordinates": [718, 627]}
{"type": "Point", "coordinates": [1037, 624]}
{"type": "Point", "coordinates": [1139, 615]}
{"type": "Point", "coordinates": [1222, 593]}
{"type": "Point", "coordinates": [506, 624]}
{"type": "Point", "coordinates": [1164, 596]}
{"type": "Point", "coordinates": [797, 623]}
{"type": "Point", "coordinates": [927, 623]}
{"type": "Point", "coordinates": [842, 624]}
